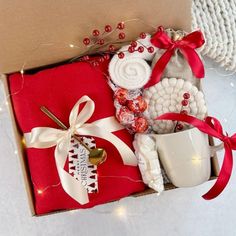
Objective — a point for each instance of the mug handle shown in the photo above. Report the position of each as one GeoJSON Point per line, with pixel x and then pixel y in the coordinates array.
{"type": "Point", "coordinates": [216, 148]}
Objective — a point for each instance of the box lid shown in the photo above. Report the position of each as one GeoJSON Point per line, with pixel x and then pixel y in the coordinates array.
{"type": "Point", "coordinates": [37, 33]}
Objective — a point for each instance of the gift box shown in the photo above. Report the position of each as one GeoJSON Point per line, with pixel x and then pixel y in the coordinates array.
{"type": "Point", "coordinates": [45, 31]}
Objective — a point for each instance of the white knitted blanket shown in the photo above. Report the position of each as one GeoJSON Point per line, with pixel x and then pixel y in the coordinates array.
{"type": "Point", "coordinates": [217, 20]}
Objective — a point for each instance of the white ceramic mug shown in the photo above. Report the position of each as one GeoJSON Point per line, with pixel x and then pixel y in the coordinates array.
{"type": "Point", "coordinates": [185, 156]}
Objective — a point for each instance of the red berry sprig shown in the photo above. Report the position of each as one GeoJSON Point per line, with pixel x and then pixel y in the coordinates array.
{"type": "Point", "coordinates": [185, 102]}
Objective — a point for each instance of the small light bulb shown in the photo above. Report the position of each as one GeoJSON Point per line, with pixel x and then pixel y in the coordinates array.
{"type": "Point", "coordinates": [22, 71]}
{"type": "Point", "coordinates": [1, 109]}
{"type": "Point", "coordinates": [39, 191]}
{"type": "Point", "coordinates": [6, 103]}
{"type": "Point", "coordinates": [120, 211]}
{"type": "Point", "coordinates": [232, 84]}
{"type": "Point", "coordinates": [71, 45]}
{"type": "Point", "coordinates": [15, 152]}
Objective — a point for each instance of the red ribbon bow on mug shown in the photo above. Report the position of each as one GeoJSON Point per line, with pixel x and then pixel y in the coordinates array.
{"type": "Point", "coordinates": [212, 127]}
{"type": "Point", "coordinates": [186, 45]}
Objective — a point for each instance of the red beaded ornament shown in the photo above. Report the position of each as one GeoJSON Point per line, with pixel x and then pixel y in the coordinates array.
{"type": "Point", "coordinates": [142, 35]}
{"type": "Point", "coordinates": [131, 49]}
{"type": "Point", "coordinates": [122, 35]}
{"type": "Point", "coordinates": [179, 126]}
{"type": "Point", "coordinates": [121, 26]}
{"type": "Point", "coordinates": [96, 32]}
{"type": "Point", "coordinates": [86, 41]}
{"type": "Point", "coordinates": [101, 41]}
{"type": "Point", "coordinates": [121, 55]}
{"type": "Point", "coordinates": [140, 49]}
{"type": "Point", "coordinates": [184, 102]}
{"type": "Point", "coordinates": [112, 48]}
{"type": "Point", "coordinates": [151, 49]}
{"type": "Point", "coordinates": [186, 96]}
{"type": "Point", "coordinates": [108, 28]}
{"type": "Point", "coordinates": [106, 56]}
{"type": "Point", "coordinates": [133, 44]}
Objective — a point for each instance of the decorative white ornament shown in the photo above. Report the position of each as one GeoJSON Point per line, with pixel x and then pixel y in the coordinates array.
{"type": "Point", "coordinates": [145, 150]}
{"type": "Point", "coordinates": [132, 71]}
{"type": "Point", "coordinates": [166, 96]}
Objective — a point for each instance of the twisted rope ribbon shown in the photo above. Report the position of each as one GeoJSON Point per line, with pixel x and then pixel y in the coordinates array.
{"type": "Point", "coordinates": [212, 127]}
{"type": "Point", "coordinates": [46, 137]}
{"type": "Point", "coordinates": [186, 45]}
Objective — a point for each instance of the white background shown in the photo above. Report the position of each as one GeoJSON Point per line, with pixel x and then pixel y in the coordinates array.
{"type": "Point", "coordinates": [176, 212]}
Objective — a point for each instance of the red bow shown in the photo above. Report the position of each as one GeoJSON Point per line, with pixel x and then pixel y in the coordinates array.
{"type": "Point", "coordinates": [212, 127]}
{"type": "Point", "coordinates": [186, 46]}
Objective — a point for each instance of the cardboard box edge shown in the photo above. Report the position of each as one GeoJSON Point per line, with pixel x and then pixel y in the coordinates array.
{"type": "Point", "coordinates": [20, 149]}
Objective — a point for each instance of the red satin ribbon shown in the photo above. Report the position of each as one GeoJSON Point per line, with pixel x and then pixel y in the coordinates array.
{"type": "Point", "coordinates": [186, 45]}
{"type": "Point", "coordinates": [212, 127]}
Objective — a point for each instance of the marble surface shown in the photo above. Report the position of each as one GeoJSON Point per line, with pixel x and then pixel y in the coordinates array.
{"type": "Point", "coordinates": [177, 212]}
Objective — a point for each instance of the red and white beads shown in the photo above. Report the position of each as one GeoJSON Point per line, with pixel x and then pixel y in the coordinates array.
{"type": "Point", "coordinates": [173, 95]}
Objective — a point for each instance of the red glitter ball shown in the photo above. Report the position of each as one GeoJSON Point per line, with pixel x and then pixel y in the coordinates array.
{"type": "Point", "coordinates": [131, 49]}
{"type": "Point", "coordinates": [121, 55]}
{"type": "Point", "coordinates": [112, 48]}
{"type": "Point", "coordinates": [86, 41]}
{"type": "Point", "coordinates": [106, 56]}
{"type": "Point", "coordinates": [142, 35]}
{"type": "Point", "coordinates": [101, 41]}
{"type": "Point", "coordinates": [125, 116]}
{"type": "Point", "coordinates": [133, 44]}
{"type": "Point", "coordinates": [140, 125]}
{"type": "Point", "coordinates": [85, 58]}
{"type": "Point", "coordinates": [121, 25]}
{"type": "Point", "coordinates": [186, 96]}
{"type": "Point", "coordinates": [179, 127]}
{"type": "Point", "coordinates": [96, 32]}
{"type": "Point", "coordinates": [108, 28]}
{"type": "Point", "coordinates": [121, 96]}
{"type": "Point", "coordinates": [137, 105]}
{"type": "Point", "coordinates": [121, 35]}
{"type": "Point", "coordinates": [184, 102]}
{"type": "Point", "coordinates": [151, 49]}
{"type": "Point", "coordinates": [140, 49]}
{"type": "Point", "coordinates": [184, 112]}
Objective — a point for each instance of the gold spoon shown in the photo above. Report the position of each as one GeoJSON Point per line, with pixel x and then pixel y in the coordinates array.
{"type": "Point", "coordinates": [96, 156]}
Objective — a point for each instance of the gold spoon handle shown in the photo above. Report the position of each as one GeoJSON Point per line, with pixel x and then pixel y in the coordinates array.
{"type": "Point", "coordinates": [61, 124]}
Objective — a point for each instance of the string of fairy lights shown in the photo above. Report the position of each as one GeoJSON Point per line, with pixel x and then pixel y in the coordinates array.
{"type": "Point", "coordinates": [120, 211]}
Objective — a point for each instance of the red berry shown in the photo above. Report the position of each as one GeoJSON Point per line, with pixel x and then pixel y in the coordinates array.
{"type": "Point", "coordinates": [184, 102]}
{"type": "Point", "coordinates": [121, 55]}
{"type": "Point", "coordinates": [142, 35]}
{"type": "Point", "coordinates": [121, 35]}
{"type": "Point", "coordinates": [112, 48]}
{"type": "Point", "coordinates": [85, 58]}
{"type": "Point", "coordinates": [186, 96]}
{"type": "Point", "coordinates": [151, 49]}
{"type": "Point", "coordinates": [131, 49]}
{"type": "Point", "coordinates": [101, 59]}
{"type": "Point", "coordinates": [108, 28]}
{"type": "Point", "coordinates": [179, 127]}
{"type": "Point", "coordinates": [133, 44]}
{"type": "Point", "coordinates": [121, 95]}
{"type": "Point", "coordinates": [106, 56]}
{"type": "Point", "coordinates": [101, 41]}
{"type": "Point", "coordinates": [137, 105]}
{"type": "Point", "coordinates": [95, 63]}
{"type": "Point", "coordinates": [86, 41]}
{"type": "Point", "coordinates": [96, 32]}
{"type": "Point", "coordinates": [140, 125]}
{"type": "Point", "coordinates": [125, 116]}
{"type": "Point", "coordinates": [184, 112]}
{"type": "Point", "coordinates": [140, 49]}
{"type": "Point", "coordinates": [121, 25]}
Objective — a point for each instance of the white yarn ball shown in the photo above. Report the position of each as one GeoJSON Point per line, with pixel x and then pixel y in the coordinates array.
{"type": "Point", "coordinates": [166, 96]}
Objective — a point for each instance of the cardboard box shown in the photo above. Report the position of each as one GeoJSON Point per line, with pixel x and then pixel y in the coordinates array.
{"type": "Point", "coordinates": [50, 26]}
